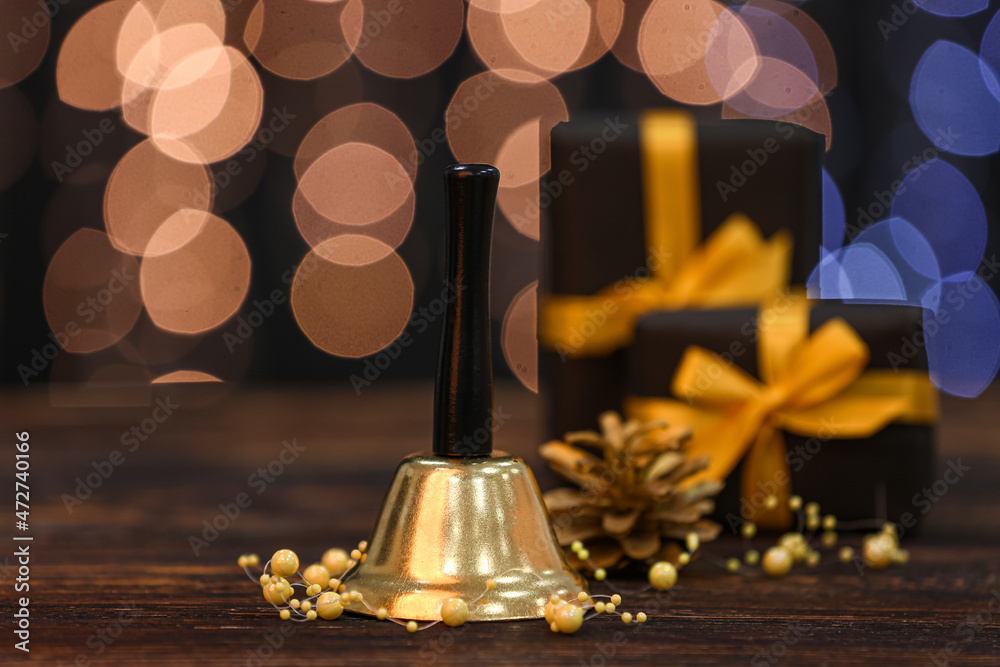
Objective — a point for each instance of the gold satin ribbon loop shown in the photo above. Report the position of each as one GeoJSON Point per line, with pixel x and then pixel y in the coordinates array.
{"type": "Point", "coordinates": [813, 386]}
{"type": "Point", "coordinates": [734, 267]}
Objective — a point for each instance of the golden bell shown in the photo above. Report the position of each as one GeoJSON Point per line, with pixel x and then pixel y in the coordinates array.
{"type": "Point", "coordinates": [464, 514]}
{"type": "Point", "coordinates": [448, 525]}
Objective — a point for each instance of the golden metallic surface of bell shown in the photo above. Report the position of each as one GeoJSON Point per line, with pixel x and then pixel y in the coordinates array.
{"type": "Point", "coordinates": [447, 525]}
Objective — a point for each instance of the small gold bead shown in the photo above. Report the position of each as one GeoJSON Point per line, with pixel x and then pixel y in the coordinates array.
{"type": "Point", "coordinates": [382, 613]}
{"type": "Point", "coordinates": [314, 589]}
{"type": "Point", "coordinates": [684, 558]}
{"type": "Point", "coordinates": [583, 554]}
{"type": "Point", "coordinates": [328, 606]}
{"type": "Point", "coordinates": [294, 603]}
{"type": "Point", "coordinates": [748, 529]}
{"type": "Point", "coordinates": [812, 522]}
{"type": "Point", "coordinates": [778, 561]}
{"type": "Point", "coordinates": [641, 617]}
{"type": "Point", "coordinates": [890, 529]}
{"type": "Point", "coordinates": [901, 557]}
{"type": "Point", "coordinates": [582, 597]}
{"type": "Point", "coordinates": [317, 574]}
{"type": "Point", "coordinates": [334, 584]}
{"type": "Point", "coordinates": [568, 618]}
{"type": "Point", "coordinates": [306, 605]}
{"type": "Point", "coordinates": [616, 599]}
{"type": "Point", "coordinates": [692, 542]}
{"type": "Point", "coordinates": [812, 559]}
{"type": "Point", "coordinates": [285, 614]}
{"type": "Point", "coordinates": [795, 503]}
{"type": "Point", "coordinates": [733, 565]}
{"type": "Point", "coordinates": [771, 502]}
{"type": "Point", "coordinates": [812, 509]}
{"type": "Point", "coordinates": [253, 560]}
{"type": "Point", "coordinates": [576, 546]}
{"type": "Point", "coordinates": [553, 627]}
{"type": "Point", "coordinates": [796, 544]}
{"type": "Point", "coordinates": [662, 576]}
{"type": "Point", "coordinates": [277, 591]}
{"type": "Point", "coordinates": [829, 539]}
{"type": "Point", "coordinates": [364, 557]}
{"type": "Point", "coordinates": [846, 554]}
{"type": "Point", "coordinates": [454, 612]}
{"type": "Point", "coordinates": [356, 596]}
{"type": "Point", "coordinates": [411, 626]}
{"type": "Point", "coordinates": [265, 579]}
{"type": "Point", "coordinates": [609, 607]}
{"type": "Point", "coordinates": [878, 550]}
{"type": "Point", "coordinates": [335, 561]}
{"type": "Point", "coordinates": [626, 617]}
{"type": "Point", "coordinates": [600, 574]}
{"type": "Point", "coordinates": [362, 545]}
{"type": "Point", "coordinates": [751, 557]}
{"type": "Point", "coordinates": [342, 588]}
{"type": "Point", "coordinates": [599, 607]}
{"type": "Point", "coordinates": [284, 563]}
{"type": "Point", "coordinates": [355, 554]}
{"type": "Point", "coordinates": [829, 522]}
{"type": "Point", "coordinates": [550, 608]}
{"type": "Point", "coordinates": [311, 615]}
{"type": "Point", "coordinates": [242, 562]}
{"type": "Point", "coordinates": [491, 584]}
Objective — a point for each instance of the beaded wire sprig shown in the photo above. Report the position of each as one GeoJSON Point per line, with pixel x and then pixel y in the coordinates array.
{"type": "Point", "coordinates": [327, 596]}
{"type": "Point", "coordinates": [878, 550]}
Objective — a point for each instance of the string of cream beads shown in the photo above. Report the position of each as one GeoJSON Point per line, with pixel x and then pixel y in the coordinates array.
{"type": "Point", "coordinates": [327, 597]}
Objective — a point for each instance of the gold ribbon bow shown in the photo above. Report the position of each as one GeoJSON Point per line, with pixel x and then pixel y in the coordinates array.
{"type": "Point", "coordinates": [813, 386]}
{"type": "Point", "coordinates": [735, 266]}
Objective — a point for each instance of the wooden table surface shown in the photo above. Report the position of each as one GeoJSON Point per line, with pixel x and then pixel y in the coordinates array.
{"type": "Point", "coordinates": [117, 581]}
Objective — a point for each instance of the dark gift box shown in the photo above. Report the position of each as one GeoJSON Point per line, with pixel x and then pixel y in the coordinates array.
{"type": "Point", "coordinates": [881, 476]}
{"type": "Point", "coordinates": [595, 233]}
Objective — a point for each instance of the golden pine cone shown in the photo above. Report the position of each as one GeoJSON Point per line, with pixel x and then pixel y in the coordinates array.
{"type": "Point", "coordinates": [632, 502]}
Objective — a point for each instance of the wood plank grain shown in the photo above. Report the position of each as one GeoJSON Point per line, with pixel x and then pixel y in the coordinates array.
{"type": "Point", "coordinates": [114, 580]}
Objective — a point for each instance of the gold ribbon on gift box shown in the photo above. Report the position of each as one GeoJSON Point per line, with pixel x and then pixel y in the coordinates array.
{"type": "Point", "coordinates": [734, 267]}
{"type": "Point", "coordinates": [813, 386]}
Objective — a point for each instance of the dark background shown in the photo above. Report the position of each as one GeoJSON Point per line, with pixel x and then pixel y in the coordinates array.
{"type": "Point", "coordinates": [874, 135]}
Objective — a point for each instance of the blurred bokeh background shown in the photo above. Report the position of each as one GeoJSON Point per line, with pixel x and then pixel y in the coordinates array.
{"type": "Point", "coordinates": [167, 166]}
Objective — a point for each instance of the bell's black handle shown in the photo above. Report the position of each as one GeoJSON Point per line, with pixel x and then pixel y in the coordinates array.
{"type": "Point", "coordinates": [463, 394]}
